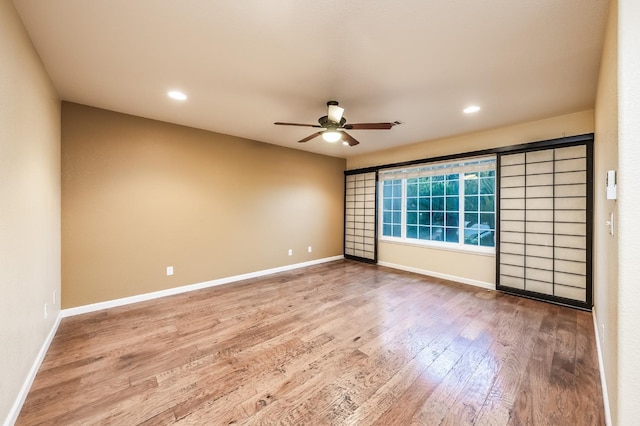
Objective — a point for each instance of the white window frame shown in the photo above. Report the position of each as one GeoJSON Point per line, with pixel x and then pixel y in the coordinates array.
{"type": "Point", "coordinates": [458, 246]}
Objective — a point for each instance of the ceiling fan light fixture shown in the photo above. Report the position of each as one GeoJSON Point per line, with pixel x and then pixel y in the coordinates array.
{"type": "Point", "coordinates": [331, 136]}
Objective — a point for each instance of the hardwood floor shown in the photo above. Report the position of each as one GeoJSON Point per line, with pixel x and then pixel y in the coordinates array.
{"type": "Point", "coordinates": [341, 343]}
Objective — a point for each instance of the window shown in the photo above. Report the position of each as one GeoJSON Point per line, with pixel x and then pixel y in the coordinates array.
{"type": "Point", "coordinates": [392, 212]}
{"type": "Point", "coordinates": [450, 203]}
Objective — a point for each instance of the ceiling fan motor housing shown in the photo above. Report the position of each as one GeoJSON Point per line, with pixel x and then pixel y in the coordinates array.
{"type": "Point", "coordinates": [326, 123]}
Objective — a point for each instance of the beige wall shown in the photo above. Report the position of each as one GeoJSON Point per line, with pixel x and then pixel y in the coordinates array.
{"type": "Point", "coordinates": [628, 376]}
{"type": "Point", "coordinates": [605, 253]}
{"type": "Point", "coordinates": [139, 195]}
{"type": "Point", "coordinates": [469, 267]}
{"type": "Point", "coordinates": [29, 206]}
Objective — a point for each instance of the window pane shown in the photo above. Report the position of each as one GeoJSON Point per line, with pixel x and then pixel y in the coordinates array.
{"type": "Point", "coordinates": [386, 230]}
{"type": "Point", "coordinates": [397, 232]}
{"type": "Point", "coordinates": [488, 173]}
{"type": "Point", "coordinates": [488, 219]}
{"type": "Point", "coordinates": [452, 235]}
{"type": "Point", "coordinates": [396, 217]}
{"type": "Point", "coordinates": [387, 188]}
{"type": "Point", "coordinates": [452, 219]}
{"type": "Point", "coordinates": [425, 189]}
{"type": "Point", "coordinates": [425, 232]}
{"type": "Point", "coordinates": [412, 218]}
{"type": "Point", "coordinates": [438, 218]}
{"type": "Point", "coordinates": [424, 203]}
{"type": "Point", "coordinates": [487, 239]}
{"type": "Point", "coordinates": [470, 219]}
{"type": "Point", "coordinates": [452, 203]}
{"type": "Point", "coordinates": [397, 189]}
{"type": "Point", "coordinates": [412, 203]}
{"type": "Point", "coordinates": [412, 231]}
{"type": "Point", "coordinates": [487, 185]}
{"type": "Point", "coordinates": [486, 203]}
{"type": "Point", "coordinates": [397, 203]}
{"type": "Point", "coordinates": [437, 188]}
{"type": "Point", "coordinates": [437, 233]}
{"type": "Point", "coordinates": [471, 236]}
{"type": "Point", "coordinates": [471, 203]}
{"type": "Point", "coordinates": [412, 189]}
{"type": "Point", "coordinates": [424, 218]}
{"type": "Point", "coordinates": [437, 203]}
{"type": "Point", "coordinates": [470, 184]}
{"type": "Point", "coordinates": [452, 186]}
{"type": "Point", "coordinates": [387, 204]}
{"type": "Point", "coordinates": [387, 217]}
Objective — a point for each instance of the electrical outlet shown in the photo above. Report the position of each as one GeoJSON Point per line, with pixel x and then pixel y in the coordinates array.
{"type": "Point", "coordinates": [290, 252]}
{"type": "Point", "coordinates": [309, 249]}
{"type": "Point", "coordinates": [46, 314]}
{"type": "Point", "coordinates": [169, 270]}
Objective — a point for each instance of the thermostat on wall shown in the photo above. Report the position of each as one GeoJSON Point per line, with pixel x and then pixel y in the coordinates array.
{"type": "Point", "coordinates": [611, 185]}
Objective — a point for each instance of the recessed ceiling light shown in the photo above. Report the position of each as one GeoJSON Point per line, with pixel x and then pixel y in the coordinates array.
{"type": "Point", "coordinates": [178, 96]}
{"type": "Point", "coordinates": [471, 109]}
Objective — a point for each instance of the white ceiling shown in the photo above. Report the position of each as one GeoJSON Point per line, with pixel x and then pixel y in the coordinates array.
{"type": "Point", "coordinates": [246, 64]}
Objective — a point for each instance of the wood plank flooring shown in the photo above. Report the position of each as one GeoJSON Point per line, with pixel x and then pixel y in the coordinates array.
{"type": "Point", "coordinates": [342, 343]}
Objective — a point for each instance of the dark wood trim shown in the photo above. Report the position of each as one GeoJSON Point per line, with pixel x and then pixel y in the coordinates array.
{"type": "Point", "coordinates": [361, 259]}
{"type": "Point", "coordinates": [570, 303]}
{"type": "Point", "coordinates": [344, 219]}
{"type": "Point", "coordinates": [530, 146]}
{"type": "Point", "coordinates": [589, 225]}
{"type": "Point", "coordinates": [375, 226]}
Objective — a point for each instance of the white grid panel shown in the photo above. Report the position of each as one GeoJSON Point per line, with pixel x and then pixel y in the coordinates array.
{"type": "Point", "coordinates": [360, 215]}
{"type": "Point", "coordinates": [543, 210]}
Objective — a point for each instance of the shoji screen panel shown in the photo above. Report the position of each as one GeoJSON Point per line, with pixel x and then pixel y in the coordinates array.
{"type": "Point", "coordinates": [544, 219]}
{"type": "Point", "coordinates": [360, 217]}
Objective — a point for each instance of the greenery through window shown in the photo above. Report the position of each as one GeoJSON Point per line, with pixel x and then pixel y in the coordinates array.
{"type": "Point", "coordinates": [453, 208]}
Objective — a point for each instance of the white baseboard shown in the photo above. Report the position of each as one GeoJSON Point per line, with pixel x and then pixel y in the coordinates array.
{"type": "Point", "coordinates": [603, 379]}
{"type": "Point", "coordinates": [24, 391]}
{"type": "Point", "coordinates": [187, 288]}
{"type": "Point", "coordinates": [476, 283]}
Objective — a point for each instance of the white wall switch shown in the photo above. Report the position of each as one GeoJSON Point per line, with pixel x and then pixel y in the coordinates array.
{"type": "Point", "coordinates": [290, 252]}
{"type": "Point", "coordinates": [169, 270]}
{"type": "Point", "coordinates": [611, 185]}
{"type": "Point", "coordinates": [309, 249]}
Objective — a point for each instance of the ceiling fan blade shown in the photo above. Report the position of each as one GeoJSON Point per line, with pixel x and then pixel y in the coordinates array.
{"type": "Point", "coordinates": [335, 113]}
{"type": "Point", "coordinates": [297, 124]}
{"type": "Point", "coordinates": [308, 138]}
{"type": "Point", "coordinates": [349, 139]}
{"type": "Point", "coordinates": [369, 126]}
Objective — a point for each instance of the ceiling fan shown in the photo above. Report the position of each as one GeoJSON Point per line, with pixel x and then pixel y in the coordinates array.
{"type": "Point", "coordinates": [334, 125]}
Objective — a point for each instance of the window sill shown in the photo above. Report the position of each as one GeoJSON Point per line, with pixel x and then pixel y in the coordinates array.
{"type": "Point", "coordinates": [485, 251]}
